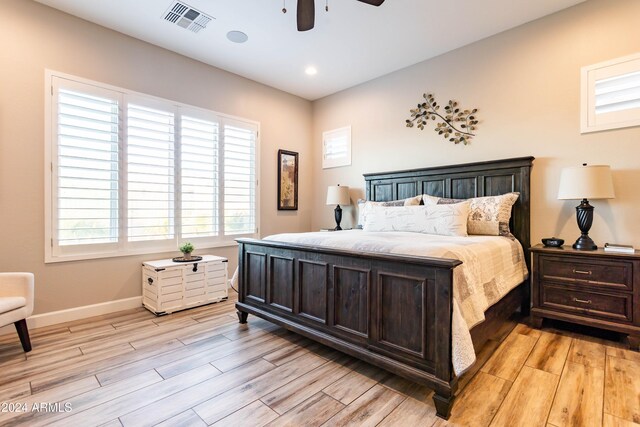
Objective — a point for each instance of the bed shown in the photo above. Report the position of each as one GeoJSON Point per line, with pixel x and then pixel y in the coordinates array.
{"type": "Point", "coordinates": [393, 311]}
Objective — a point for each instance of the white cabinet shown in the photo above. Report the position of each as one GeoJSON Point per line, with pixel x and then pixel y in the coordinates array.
{"type": "Point", "coordinates": [169, 286]}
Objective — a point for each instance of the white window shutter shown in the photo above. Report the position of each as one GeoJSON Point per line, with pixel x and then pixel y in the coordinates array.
{"type": "Point", "coordinates": [199, 177]}
{"type": "Point", "coordinates": [86, 161]}
{"type": "Point", "coordinates": [618, 93]}
{"type": "Point", "coordinates": [150, 173]}
{"type": "Point", "coordinates": [239, 186]}
{"type": "Point", "coordinates": [610, 96]}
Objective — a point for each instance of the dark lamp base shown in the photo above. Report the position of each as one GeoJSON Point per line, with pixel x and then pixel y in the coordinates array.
{"type": "Point", "coordinates": [585, 243]}
{"type": "Point", "coordinates": [338, 216]}
{"type": "Point", "coordinates": [584, 215]}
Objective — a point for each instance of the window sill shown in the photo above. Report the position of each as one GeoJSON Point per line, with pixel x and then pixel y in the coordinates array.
{"type": "Point", "coordinates": [50, 259]}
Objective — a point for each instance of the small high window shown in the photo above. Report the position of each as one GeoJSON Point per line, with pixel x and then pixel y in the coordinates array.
{"type": "Point", "coordinates": [611, 94]}
{"type": "Point", "coordinates": [336, 148]}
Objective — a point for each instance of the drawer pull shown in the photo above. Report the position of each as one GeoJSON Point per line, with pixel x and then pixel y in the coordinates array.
{"type": "Point", "coordinates": [150, 280]}
{"type": "Point", "coordinates": [583, 301]}
{"type": "Point", "coordinates": [195, 267]}
{"type": "Point", "coordinates": [582, 272]}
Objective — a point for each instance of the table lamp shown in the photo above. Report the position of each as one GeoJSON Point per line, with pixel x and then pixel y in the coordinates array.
{"type": "Point", "coordinates": [585, 182]}
{"type": "Point", "coordinates": [338, 195]}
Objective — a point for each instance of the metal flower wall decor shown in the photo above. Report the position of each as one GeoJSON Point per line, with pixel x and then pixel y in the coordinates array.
{"type": "Point", "coordinates": [457, 125]}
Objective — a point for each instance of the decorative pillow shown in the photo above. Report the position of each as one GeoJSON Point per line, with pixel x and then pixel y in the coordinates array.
{"type": "Point", "coordinates": [491, 215]}
{"type": "Point", "coordinates": [487, 216]}
{"type": "Point", "coordinates": [364, 206]}
{"type": "Point", "coordinates": [444, 220]}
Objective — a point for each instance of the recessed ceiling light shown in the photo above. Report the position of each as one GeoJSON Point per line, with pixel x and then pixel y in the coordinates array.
{"type": "Point", "coordinates": [311, 71]}
{"type": "Point", "coordinates": [237, 36]}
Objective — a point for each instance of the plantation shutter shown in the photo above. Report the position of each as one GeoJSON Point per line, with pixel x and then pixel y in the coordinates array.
{"type": "Point", "coordinates": [85, 179]}
{"type": "Point", "coordinates": [617, 93]}
{"type": "Point", "coordinates": [128, 173]}
{"type": "Point", "coordinates": [239, 211]}
{"type": "Point", "coordinates": [150, 173]}
{"type": "Point", "coordinates": [610, 97]}
{"type": "Point", "coordinates": [199, 177]}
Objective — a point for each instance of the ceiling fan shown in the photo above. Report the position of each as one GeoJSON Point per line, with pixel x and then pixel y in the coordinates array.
{"type": "Point", "coordinates": [307, 12]}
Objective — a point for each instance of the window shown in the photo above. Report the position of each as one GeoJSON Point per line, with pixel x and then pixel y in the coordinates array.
{"type": "Point", "coordinates": [611, 94]}
{"type": "Point", "coordinates": [239, 176]}
{"type": "Point", "coordinates": [199, 167]}
{"type": "Point", "coordinates": [336, 148]}
{"type": "Point", "coordinates": [87, 201]}
{"type": "Point", "coordinates": [129, 173]}
{"type": "Point", "coordinates": [150, 174]}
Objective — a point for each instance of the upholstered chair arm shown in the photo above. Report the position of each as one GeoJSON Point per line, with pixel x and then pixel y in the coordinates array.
{"type": "Point", "coordinates": [18, 285]}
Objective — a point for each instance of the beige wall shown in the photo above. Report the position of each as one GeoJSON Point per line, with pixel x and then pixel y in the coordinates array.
{"type": "Point", "coordinates": [36, 37]}
{"type": "Point", "coordinates": [525, 83]}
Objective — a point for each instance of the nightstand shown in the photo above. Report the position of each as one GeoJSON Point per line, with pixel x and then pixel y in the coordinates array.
{"type": "Point", "coordinates": [593, 288]}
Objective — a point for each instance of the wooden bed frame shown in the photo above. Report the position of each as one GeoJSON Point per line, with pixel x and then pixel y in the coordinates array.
{"type": "Point", "coordinates": [388, 310]}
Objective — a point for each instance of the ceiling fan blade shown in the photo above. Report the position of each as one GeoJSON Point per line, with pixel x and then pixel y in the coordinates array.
{"type": "Point", "coordinates": [373, 2]}
{"type": "Point", "coordinates": [306, 14]}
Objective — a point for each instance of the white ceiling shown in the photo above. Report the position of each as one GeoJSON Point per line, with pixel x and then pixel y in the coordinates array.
{"type": "Point", "coordinates": [351, 44]}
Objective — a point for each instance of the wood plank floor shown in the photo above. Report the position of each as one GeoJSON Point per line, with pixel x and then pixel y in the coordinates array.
{"type": "Point", "coordinates": [200, 367]}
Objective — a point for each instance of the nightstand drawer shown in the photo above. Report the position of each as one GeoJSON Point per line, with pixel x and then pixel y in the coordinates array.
{"type": "Point", "coordinates": [595, 272]}
{"type": "Point", "coordinates": [597, 304]}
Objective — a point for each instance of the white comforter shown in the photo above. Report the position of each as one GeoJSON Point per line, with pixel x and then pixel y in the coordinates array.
{"type": "Point", "coordinates": [492, 266]}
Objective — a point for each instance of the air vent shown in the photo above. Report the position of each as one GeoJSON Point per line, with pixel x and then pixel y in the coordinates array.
{"type": "Point", "coordinates": [187, 17]}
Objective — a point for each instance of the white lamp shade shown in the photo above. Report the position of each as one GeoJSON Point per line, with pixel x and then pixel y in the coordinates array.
{"type": "Point", "coordinates": [338, 195]}
{"type": "Point", "coordinates": [586, 182]}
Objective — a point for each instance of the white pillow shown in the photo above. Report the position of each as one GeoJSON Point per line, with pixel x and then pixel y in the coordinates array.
{"type": "Point", "coordinates": [444, 220]}
{"type": "Point", "coordinates": [364, 206]}
{"type": "Point", "coordinates": [488, 215]}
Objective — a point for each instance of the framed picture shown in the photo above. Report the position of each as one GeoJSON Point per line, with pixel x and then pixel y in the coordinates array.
{"type": "Point", "coordinates": [287, 180]}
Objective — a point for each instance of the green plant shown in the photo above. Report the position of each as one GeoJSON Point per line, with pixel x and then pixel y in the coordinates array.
{"type": "Point", "coordinates": [186, 248]}
{"type": "Point", "coordinates": [457, 123]}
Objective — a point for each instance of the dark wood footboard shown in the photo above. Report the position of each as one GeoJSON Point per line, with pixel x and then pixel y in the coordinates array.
{"type": "Point", "coordinates": [391, 311]}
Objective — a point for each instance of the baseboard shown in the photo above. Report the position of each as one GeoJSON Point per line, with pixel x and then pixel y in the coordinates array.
{"type": "Point", "coordinates": [77, 313]}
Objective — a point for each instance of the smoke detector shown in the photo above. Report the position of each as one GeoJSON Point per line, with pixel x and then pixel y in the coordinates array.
{"type": "Point", "coordinates": [185, 16]}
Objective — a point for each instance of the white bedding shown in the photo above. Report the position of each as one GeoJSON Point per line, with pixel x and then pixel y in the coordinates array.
{"type": "Point", "coordinates": [492, 266]}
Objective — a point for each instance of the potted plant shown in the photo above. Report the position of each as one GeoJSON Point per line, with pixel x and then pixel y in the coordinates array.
{"type": "Point", "coordinates": [186, 250]}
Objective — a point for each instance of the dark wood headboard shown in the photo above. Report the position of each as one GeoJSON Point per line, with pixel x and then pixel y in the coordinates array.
{"type": "Point", "coordinates": [462, 181]}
